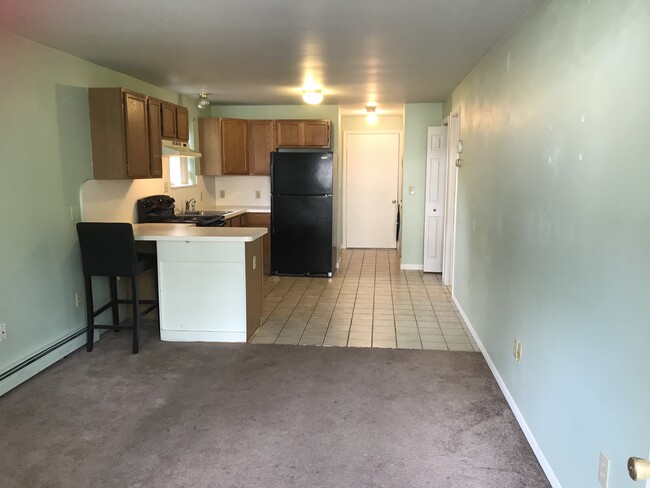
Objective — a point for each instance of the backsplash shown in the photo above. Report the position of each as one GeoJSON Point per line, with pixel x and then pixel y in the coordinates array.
{"type": "Point", "coordinates": [114, 200]}
{"type": "Point", "coordinates": [240, 190]}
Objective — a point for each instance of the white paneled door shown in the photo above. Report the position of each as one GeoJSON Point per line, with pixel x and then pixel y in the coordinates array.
{"type": "Point", "coordinates": [372, 166]}
{"type": "Point", "coordinates": [435, 199]}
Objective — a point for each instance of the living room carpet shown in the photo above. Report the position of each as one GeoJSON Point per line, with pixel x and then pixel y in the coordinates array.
{"type": "Point", "coordinates": [249, 415]}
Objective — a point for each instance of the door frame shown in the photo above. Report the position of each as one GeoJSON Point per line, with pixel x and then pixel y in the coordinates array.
{"type": "Point", "coordinates": [344, 178]}
{"type": "Point", "coordinates": [452, 121]}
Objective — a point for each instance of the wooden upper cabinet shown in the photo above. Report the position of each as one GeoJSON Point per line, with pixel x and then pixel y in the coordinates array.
{"type": "Point", "coordinates": [136, 120]}
{"type": "Point", "coordinates": [261, 143]}
{"type": "Point", "coordinates": [234, 146]}
{"type": "Point", "coordinates": [317, 133]}
{"type": "Point", "coordinates": [168, 120]}
{"type": "Point", "coordinates": [303, 133]}
{"type": "Point", "coordinates": [182, 123]}
{"type": "Point", "coordinates": [175, 122]}
{"type": "Point", "coordinates": [290, 133]}
{"type": "Point", "coordinates": [224, 146]}
{"type": "Point", "coordinates": [210, 143]}
{"type": "Point", "coordinates": [241, 147]}
{"type": "Point", "coordinates": [155, 138]}
{"type": "Point", "coordinates": [120, 135]}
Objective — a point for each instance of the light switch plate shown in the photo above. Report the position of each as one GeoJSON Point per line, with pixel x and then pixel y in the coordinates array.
{"type": "Point", "coordinates": [411, 190]}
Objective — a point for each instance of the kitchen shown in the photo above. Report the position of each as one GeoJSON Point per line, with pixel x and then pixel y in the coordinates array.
{"type": "Point", "coordinates": [133, 127]}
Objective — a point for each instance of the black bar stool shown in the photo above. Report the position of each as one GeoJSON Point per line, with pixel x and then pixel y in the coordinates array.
{"type": "Point", "coordinates": [108, 249]}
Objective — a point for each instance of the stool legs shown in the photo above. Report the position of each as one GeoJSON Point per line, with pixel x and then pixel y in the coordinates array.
{"type": "Point", "coordinates": [136, 316]}
{"type": "Point", "coordinates": [115, 305]}
{"type": "Point", "coordinates": [90, 319]}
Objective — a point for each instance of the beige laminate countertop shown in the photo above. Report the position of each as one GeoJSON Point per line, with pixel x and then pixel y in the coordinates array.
{"type": "Point", "coordinates": [189, 232]}
{"type": "Point", "coordinates": [237, 209]}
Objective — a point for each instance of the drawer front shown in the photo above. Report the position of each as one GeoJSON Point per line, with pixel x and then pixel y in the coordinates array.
{"type": "Point", "coordinates": [258, 219]}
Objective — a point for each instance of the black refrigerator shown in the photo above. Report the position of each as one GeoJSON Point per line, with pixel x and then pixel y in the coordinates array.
{"type": "Point", "coordinates": [303, 224]}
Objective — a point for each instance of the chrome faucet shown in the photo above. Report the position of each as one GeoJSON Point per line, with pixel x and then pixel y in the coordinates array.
{"type": "Point", "coordinates": [192, 202]}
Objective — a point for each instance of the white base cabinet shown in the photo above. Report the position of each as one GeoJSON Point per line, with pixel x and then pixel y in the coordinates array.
{"type": "Point", "coordinates": [209, 290]}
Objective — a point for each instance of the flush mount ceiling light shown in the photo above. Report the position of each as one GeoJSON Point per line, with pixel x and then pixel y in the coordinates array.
{"type": "Point", "coordinates": [312, 97]}
{"type": "Point", "coordinates": [371, 112]}
{"type": "Point", "coordinates": [203, 100]}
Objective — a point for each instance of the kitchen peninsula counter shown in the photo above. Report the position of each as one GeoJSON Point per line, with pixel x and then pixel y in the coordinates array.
{"type": "Point", "coordinates": [189, 232]}
{"type": "Point", "coordinates": [209, 280]}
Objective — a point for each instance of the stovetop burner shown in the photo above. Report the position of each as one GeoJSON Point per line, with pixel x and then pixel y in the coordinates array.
{"type": "Point", "coordinates": [160, 209]}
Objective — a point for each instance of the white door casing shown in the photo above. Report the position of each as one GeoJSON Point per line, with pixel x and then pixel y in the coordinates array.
{"type": "Point", "coordinates": [434, 213]}
{"type": "Point", "coordinates": [372, 169]}
{"type": "Point", "coordinates": [453, 136]}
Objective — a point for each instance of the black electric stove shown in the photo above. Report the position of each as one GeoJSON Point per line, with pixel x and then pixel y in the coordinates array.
{"type": "Point", "coordinates": [160, 209]}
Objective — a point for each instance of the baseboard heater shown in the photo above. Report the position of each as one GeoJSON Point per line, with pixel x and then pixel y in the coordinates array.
{"type": "Point", "coordinates": [40, 355]}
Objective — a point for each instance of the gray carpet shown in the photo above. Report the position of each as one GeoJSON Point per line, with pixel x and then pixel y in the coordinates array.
{"type": "Point", "coordinates": [215, 415]}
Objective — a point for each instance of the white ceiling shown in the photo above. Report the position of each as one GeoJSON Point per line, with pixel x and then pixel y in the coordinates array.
{"type": "Point", "coordinates": [263, 51]}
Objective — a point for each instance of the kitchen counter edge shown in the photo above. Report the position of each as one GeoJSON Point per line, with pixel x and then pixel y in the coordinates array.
{"type": "Point", "coordinates": [179, 232]}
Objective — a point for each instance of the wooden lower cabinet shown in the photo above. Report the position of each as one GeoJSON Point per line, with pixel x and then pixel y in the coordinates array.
{"type": "Point", "coordinates": [261, 219]}
{"type": "Point", "coordinates": [234, 221]}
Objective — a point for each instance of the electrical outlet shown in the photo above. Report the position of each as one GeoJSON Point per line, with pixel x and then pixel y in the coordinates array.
{"type": "Point", "coordinates": [222, 193]}
{"type": "Point", "coordinates": [254, 262]}
{"type": "Point", "coordinates": [166, 187]}
{"type": "Point", "coordinates": [603, 470]}
{"type": "Point", "coordinates": [517, 350]}
{"type": "Point", "coordinates": [3, 331]}
{"type": "Point", "coordinates": [77, 299]}
{"type": "Point", "coordinates": [258, 194]}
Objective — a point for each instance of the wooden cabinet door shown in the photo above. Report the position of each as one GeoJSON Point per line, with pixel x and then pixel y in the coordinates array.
{"type": "Point", "coordinates": [210, 144]}
{"type": "Point", "coordinates": [182, 124]}
{"type": "Point", "coordinates": [234, 144]}
{"type": "Point", "coordinates": [168, 114]}
{"type": "Point", "coordinates": [155, 136]}
{"type": "Point", "coordinates": [259, 219]}
{"type": "Point", "coordinates": [290, 133]}
{"type": "Point", "coordinates": [137, 135]}
{"type": "Point", "coordinates": [261, 143]}
{"type": "Point", "coordinates": [317, 133]}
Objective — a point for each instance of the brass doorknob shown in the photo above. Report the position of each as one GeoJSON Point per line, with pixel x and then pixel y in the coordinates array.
{"type": "Point", "coordinates": [638, 469]}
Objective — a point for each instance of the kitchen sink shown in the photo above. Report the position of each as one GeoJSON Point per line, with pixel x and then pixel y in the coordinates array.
{"type": "Point", "coordinates": [209, 212]}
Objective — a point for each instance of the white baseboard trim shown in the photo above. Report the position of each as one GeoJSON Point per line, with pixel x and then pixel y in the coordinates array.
{"type": "Point", "coordinates": [411, 267]}
{"type": "Point", "coordinates": [555, 483]}
{"type": "Point", "coordinates": [42, 363]}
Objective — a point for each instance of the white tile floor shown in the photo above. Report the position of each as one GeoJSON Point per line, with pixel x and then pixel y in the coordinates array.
{"type": "Point", "coordinates": [369, 303]}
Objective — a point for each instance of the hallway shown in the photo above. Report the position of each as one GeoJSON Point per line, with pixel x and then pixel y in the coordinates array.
{"type": "Point", "coordinates": [370, 302]}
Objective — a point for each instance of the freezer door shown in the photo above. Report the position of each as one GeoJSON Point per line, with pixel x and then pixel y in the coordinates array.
{"type": "Point", "coordinates": [301, 173]}
{"type": "Point", "coordinates": [301, 235]}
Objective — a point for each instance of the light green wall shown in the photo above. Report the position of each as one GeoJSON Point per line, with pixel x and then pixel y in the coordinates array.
{"type": "Point", "coordinates": [553, 227]}
{"type": "Point", "coordinates": [417, 117]}
{"type": "Point", "coordinates": [45, 143]}
{"type": "Point", "coordinates": [360, 123]}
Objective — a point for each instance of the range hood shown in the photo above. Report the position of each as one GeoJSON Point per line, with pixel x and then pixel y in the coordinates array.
{"type": "Point", "coordinates": [176, 148]}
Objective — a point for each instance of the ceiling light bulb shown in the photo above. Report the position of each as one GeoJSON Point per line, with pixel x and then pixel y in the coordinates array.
{"type": "Point", "coordinates": [372, 114]}
{"type": "Point", "coordinates": [203, 100]}
{"type": "Point", "coordinates": [312, 97]}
